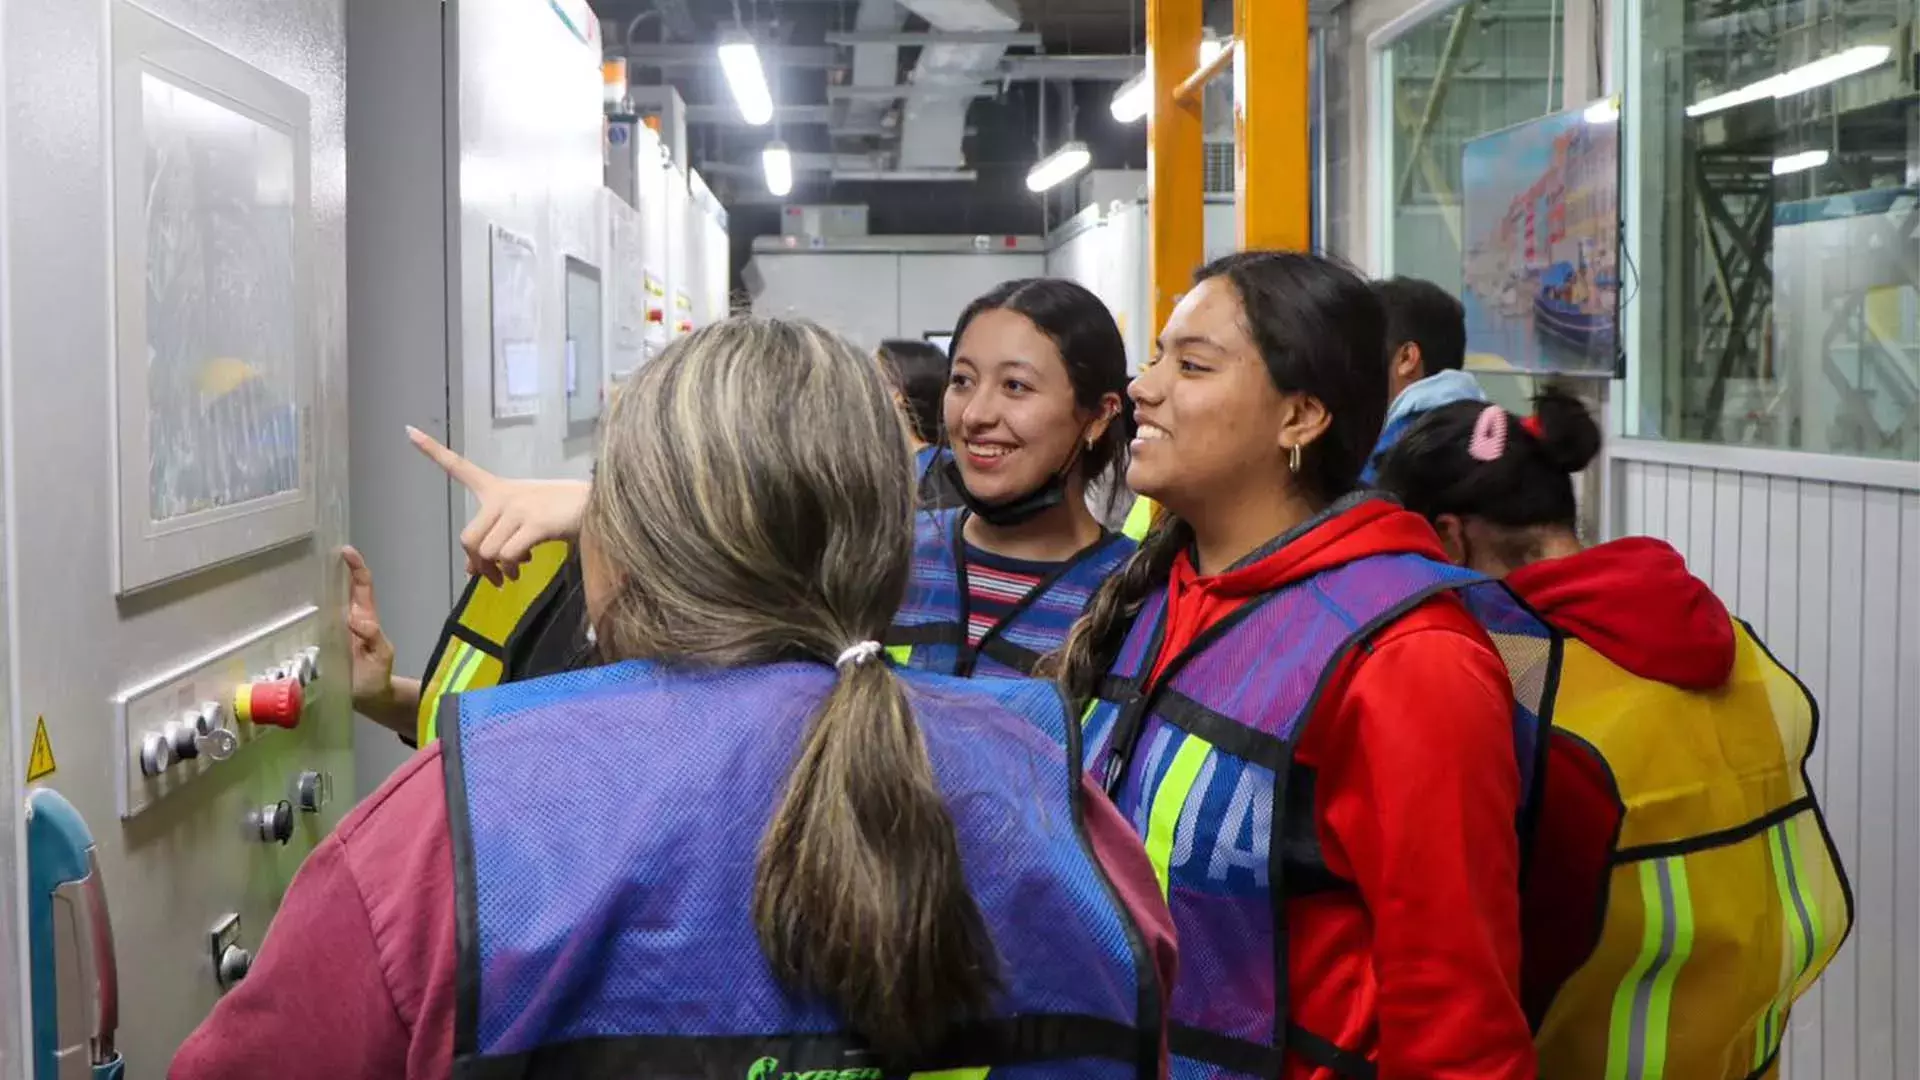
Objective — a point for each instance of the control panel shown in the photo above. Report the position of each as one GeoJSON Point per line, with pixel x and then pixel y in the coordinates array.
{"type": "Point", "coordinates": [181, 724]}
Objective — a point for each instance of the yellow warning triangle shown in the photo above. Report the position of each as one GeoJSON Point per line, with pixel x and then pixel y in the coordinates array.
{"type": "Point", "coordinates": [40, 763]}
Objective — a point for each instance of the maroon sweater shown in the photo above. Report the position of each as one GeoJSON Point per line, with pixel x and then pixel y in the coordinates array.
{"type": "Point", "coordinates": [356, 976]}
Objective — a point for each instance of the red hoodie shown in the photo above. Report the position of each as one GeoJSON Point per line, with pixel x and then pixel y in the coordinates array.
{"type": "Point", "coordinates": [1633, 602]}
{"type": "Point", "coordinates": [1417, 790]}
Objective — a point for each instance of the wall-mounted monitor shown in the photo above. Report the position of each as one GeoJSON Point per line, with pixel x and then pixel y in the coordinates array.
{"type": "Point", "coordinates": [585, 360]}
{"type": "Point", "coordinates": [1541, 244]}
{"type": "Point", "coordinates": [940, 339]}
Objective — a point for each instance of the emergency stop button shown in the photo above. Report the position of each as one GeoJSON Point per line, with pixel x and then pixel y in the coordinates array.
{"type": "Point", "coordinates": [275, 704]}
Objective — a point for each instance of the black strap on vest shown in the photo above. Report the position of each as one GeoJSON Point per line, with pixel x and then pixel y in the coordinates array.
{"type": "Point", "coordinates": [1251, 1058]}
{"type": "Point", "coordinates": [1024, 1040]}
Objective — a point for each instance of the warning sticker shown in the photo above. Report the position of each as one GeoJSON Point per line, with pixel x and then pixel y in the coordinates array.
{"type": "Point", "coordinates": [40, 763]}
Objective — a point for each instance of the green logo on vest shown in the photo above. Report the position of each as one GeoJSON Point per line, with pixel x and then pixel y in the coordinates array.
{"type": "Point", "coordinates": [768, 1068]}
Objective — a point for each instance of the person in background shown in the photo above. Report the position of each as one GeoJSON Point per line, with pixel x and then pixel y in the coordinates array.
{"type": "Point", "coordinates": [782, 834]}
{"type": "Point", "coordinates": [518, 618]}
{"type": "Point", "coordinates": [1426, 354]}
{"type": "Point", "coordinates": [1034, 411]}
{"type": "Point", "coordinates": [918, 372]}
{"type": "Point", "coordinates": [1683, 890]}
{"type": "Point", "coordinates": [1293, 703]}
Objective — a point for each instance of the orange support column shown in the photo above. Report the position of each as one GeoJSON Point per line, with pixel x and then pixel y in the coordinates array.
{"type": "Point", "coordinates": [1272, 151]}
{"type": "Point", "coordinates": [1176, 191]}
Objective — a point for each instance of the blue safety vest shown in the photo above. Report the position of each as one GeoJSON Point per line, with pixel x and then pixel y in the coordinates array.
{"type": "Point", "coordinates": [930, 631]}
{"type": "Point", "coordinates": [604, 899]}
{"type": "Point", "coordinates": [1202, 763]}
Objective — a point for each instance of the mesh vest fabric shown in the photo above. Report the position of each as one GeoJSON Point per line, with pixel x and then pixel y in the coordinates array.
{"type": "Point", "coordinates": [605, 925]}
{"type": "Point", "coordinates": [1203, 766]}
{"type": "Point", "coordinates": [930, 631]}
{"type": "Point", "coordinates": [477, 641]}
{"type": "Point", "coordinates": [1726, 899]}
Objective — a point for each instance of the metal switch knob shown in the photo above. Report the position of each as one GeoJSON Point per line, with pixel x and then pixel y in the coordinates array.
{"type": "Point", "coordinates": [273, 824]}
{"type": "Point", "coordinates": [311, 791]}
{"type": "Point", "coordinates": [156, 753]}
{"type": "Point", "coordinates": [303, 669]}
{"type": "Point", "coordinates": [234, 964]}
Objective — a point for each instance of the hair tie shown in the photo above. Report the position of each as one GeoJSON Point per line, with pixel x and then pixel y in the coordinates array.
{"type": "Point", "coordinates": [1489, 435]}
{"type": "Point", "coordinates": [1531, 425]}
{"type": "Point", "coordinates": [856, 655]}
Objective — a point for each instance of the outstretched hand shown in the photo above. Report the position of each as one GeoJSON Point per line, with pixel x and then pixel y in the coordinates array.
{"type": "Point", "coordinates": [372, 651]}
{"type": "Point", "coordinates": [515, 516]}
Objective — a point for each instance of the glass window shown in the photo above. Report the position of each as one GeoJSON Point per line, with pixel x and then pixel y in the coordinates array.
{"type": "Point", "coordinates": [1459, 74]}
{"type": "Point", "coordinates": [1476, 68]}
{"type": "Point", "coordinates": [1777, 227]}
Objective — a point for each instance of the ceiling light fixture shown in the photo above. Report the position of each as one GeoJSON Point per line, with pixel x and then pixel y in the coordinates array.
{"type": "Point", "coordinates": [1058, 167]}
{"type": "Point", "coordinates": [1800, 162]}
{"type": "Point", "coordinates": [777, 162]}
{"type": "Point", "coordinates": [747, 78]}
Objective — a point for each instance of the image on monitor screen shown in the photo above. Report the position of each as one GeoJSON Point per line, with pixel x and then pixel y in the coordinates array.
{"type": "Point", "coordinates": [1541, 244]}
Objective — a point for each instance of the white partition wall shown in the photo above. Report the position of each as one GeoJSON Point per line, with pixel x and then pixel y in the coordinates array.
{"type": "Point", "coordinates": [874, 288]}
{"type": "Point", "coordinates": [1105, 249]}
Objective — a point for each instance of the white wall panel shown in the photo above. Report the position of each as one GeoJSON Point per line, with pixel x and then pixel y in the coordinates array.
{"type": "Point", "coordinates": [1828, 572]}
{"type": "Point", "coordinates": [934, 289]}
{"type": "Point", "coordinates": [855, 294]}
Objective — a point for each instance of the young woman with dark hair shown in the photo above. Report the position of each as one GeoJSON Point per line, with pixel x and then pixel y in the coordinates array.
{"type": "Point", "coordinates": [918, 372]}
{"type": "Point", "coordinates": [746, 846]}
{"type": "Point", "coordinates": [1292, 701]}
{"type": "Point", "coordinates": [1034, 411]}
{"type": "Point", "coordinates": [1681, 863]}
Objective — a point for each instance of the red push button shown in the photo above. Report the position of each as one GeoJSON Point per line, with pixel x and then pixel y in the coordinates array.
{"type": "Point", "coordinates": [275, 704]}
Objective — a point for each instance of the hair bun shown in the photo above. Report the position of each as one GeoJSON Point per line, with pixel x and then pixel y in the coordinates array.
{"type": "Point", "coordinates": [1568, 435]}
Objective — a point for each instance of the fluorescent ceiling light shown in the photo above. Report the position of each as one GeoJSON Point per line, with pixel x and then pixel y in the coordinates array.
{"type": "Point", "coordinates": [1806, 77]}
{"type": "Point", "coordinates": [1800, 162]}
{"type": "Point", "coordinates": [1060, 166]}
{"type": "Point", "coordinates": [777, 161]}
{"type": "Point", "coordinates": [1134, 99]}
{"type": "Point", "coordinates": [1604, 111]}
{"type": "Point", "coordinates": [1131, 100]}
{"type": "Point", "coordinates": [740, 60]}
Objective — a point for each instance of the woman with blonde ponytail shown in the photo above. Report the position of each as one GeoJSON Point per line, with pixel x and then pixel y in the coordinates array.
{"type": "Point", "coordinates": [746, 846]}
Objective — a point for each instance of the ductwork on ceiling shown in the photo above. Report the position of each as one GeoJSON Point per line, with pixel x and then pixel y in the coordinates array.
{"type": "Point", "coordinates": [873, 65]}
{"type": "Point", "coordinates": [932, 123]}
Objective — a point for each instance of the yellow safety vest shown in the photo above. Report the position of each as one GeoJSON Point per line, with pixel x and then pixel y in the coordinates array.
{"type": "Point", "coordinates": [1726, 899]}
{"type": "Point", "coordinates": [472, 651]}
{"type": "Point", "coordinates": [1139, 519]}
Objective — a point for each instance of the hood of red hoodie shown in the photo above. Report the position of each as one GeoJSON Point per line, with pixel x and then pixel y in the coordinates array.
{"type": "Point", "coordinates": [1634, 602]}
{"type": "Point", "coordinates": [1355, 527]}
{"type": "Point", "coordinates": [1368, 526]}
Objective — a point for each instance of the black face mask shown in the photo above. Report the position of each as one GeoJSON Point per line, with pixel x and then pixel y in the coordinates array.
{"type": "Point", "coordinates": [1020, 510]}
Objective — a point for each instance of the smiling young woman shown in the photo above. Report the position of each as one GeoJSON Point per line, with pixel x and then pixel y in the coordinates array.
{"type": "Point", "coordinates": [1035, 410]}
{"type": "Point", "coordinates": [1293, 703]}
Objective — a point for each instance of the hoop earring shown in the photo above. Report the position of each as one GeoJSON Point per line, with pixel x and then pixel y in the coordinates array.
{"type": "Point", "coordinates": [1293, 458]}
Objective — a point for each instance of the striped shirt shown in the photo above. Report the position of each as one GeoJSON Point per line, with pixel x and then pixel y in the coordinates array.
{"type": "Point", "coordinates": [996, 585]}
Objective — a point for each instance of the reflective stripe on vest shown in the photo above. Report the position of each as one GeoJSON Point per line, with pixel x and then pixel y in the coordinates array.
{"type": "Point", "coordinates": [930, 631]}
{"type": "Point", "coordinates": [1726, 900]}
{"type": "Point", "coordinates": [556, 855]}
{"type": "Point", "coordinates": [472, 650]}
{"type": "Point", "coordinates": [1202, 764]}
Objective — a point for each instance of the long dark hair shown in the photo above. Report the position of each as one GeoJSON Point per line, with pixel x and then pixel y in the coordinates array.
{"type": "Point", "coordinates": [754, 501]}
{"type": "Point", "coordinates": [1319, 327]}
{"type": "Point", "coordinates": [1081, 327]}
{"type": "Point", "coordinates": [1529, 483]}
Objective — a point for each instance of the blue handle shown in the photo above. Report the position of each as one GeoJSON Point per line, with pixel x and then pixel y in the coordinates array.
{"type": "Point", "coordinates": [59, 848]}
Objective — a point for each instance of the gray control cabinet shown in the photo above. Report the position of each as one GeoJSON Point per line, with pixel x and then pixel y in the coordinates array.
{"type": "Point", "coordinates": [172, 373]}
